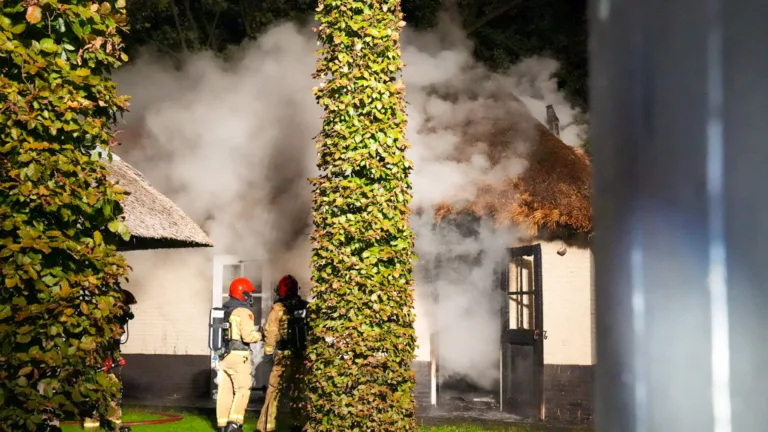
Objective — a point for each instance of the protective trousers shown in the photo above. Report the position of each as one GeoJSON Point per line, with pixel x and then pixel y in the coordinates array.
{"type": "Point", "coordinates": [92, 423]}
{"type": "Point", "coordinates": [234, 388]}
{"type": "Point", "coordinates": [283, 381]}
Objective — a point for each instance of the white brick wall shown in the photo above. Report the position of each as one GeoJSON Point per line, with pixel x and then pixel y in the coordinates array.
{"type": "Point", "coordinates": [173, 294]}
{"type": "Point", "coordinates": [173, 290]}
{"type": "Point", "coordinates": [568, 305]}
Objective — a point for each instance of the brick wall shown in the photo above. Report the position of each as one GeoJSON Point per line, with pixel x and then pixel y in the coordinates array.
{"type": "Point", "coordinates": [423, 383]}
{"type": "Point", "coordinates": [568, 393]}
{"type": "Point", "coordinates": [164, 378]}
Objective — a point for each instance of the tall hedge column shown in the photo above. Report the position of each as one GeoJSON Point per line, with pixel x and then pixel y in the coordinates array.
{"type": "Point", "coordinates": [61, 307]}
{"type": "Point", "coordinates": [362, 318]}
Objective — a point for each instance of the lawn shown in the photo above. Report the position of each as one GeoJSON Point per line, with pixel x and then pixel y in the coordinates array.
{"type": "Point", "coordinates": [200, 421]}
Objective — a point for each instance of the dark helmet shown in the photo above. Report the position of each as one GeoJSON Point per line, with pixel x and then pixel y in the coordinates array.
{"type": "Point", "coordinates": [128, 298]}
{"type": "Point", "coordinates": [287, 287]}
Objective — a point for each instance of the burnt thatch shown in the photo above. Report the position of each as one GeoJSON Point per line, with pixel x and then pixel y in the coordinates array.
{"type": "Point", "coordinates": [154, 220]}
{"type": "Point", "coordinates": [552, 194]}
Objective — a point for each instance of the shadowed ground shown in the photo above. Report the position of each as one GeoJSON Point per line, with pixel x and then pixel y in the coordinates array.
{"type": "Point", "coordinates": [201, 420]}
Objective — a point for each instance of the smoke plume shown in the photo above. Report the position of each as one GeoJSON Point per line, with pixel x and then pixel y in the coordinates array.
{"type": "Point", "coordinates": [232, 143]}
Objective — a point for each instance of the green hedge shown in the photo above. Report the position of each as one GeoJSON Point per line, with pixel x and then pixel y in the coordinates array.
{"type": "Point", "coordinates": [363, 340]}
{"type": "Point", "coordinates": [61, 306]}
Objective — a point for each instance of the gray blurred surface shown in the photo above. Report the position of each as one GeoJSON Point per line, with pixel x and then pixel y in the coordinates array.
{"type": "Point", "coordinates": [679, 105]}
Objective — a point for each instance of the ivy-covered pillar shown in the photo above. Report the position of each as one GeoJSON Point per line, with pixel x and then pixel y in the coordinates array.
{"type": "Point", "coordinates": [363, 340]}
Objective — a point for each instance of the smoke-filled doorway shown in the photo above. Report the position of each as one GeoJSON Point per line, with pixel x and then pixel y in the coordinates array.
{"type": "Point", "coordinates": [515, 386]}
{"type": "Point", "coordinates": [462, 271]}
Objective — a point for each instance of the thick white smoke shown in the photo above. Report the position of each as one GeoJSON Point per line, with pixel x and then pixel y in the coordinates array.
{"type": "Point", "coordinates": [232, 144]}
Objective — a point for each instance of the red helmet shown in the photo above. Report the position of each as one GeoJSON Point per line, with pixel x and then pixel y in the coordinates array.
{"type": "Point", "coordinates": [239, 287]}
{"type": "Point", "coordinates": [287, 287]}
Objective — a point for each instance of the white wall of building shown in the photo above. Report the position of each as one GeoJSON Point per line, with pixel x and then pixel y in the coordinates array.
{"type": "Point", "coordinates": [173, 294]}
{"type": "Point", "coordinates": [422, 332]}
{"type": "Point", "coordinates": [173, 290]}
{"type": "Point", "coordinates": [568, 305]}
{"type": "Point", "coordinates": [569, 313]}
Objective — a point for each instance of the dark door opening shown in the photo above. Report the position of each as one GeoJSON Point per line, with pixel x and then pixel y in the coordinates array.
{"type": "Point", "coordinates": [522, 334]}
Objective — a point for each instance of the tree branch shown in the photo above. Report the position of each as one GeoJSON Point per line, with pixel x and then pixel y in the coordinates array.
{"type": "Point", "coordinates": [212, 31]}
{"type": "Point", "coordinates": [195, 32]}
{"type": "Point", "coordinates": [178, 26]}
{"type": "Point", "coordinates": [490, 16]}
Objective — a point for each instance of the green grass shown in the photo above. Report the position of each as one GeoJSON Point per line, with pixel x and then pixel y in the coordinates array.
{"type": "Point", "coordinates": [201, 421]}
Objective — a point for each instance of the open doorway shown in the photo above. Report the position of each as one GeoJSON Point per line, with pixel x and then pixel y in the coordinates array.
{"type": "Point", "coordinates": [522, 335]}
{"type": "Point", "coordinates": [518, 387]}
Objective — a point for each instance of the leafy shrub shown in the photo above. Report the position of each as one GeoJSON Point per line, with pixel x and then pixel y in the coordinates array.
{"type": "Point", "coordinates": [61, 308]}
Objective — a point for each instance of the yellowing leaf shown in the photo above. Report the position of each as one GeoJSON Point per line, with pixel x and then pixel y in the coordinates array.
{"type": "Point", "coordinates": [34, 14]}
{"type": "Point", "coordinates": [83, 72]}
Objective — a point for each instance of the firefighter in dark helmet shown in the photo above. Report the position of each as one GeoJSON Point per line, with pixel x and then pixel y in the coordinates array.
{"type": "Point", "coordinates": [284, 345]}
{"type": "Point", "coordinates": [113, 366]}
{"type": "Point", "coordinates": [235, 367]}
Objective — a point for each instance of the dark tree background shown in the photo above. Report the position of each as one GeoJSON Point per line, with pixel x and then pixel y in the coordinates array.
{"type": "Point", "coordinates": [504, 31]}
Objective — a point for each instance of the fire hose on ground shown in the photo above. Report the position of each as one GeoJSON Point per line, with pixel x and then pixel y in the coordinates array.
{"type": "Point", "coordinates": [167, 418]}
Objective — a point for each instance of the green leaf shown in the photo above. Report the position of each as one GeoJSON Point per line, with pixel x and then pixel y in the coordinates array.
{"type": "Point", "coordinates": [48, 45]}
{"type": "Point", "coordinates": [5, 22]}
{"type": "Point", "coordinates": [19, 301]}
{"type": "Point", "coordinates": [113, 226]}
{"type": "Point", "coordinates": [18, 28]}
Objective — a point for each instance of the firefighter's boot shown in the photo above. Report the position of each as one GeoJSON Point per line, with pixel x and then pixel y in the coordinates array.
{"type": "Point", "coordinates": [233, 427]}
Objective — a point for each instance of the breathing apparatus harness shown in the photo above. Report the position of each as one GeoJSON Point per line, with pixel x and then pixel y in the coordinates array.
{"type": "Point", "coordinates": [219, 332]}
{"type": "Point", "coordinates": [295, 340]}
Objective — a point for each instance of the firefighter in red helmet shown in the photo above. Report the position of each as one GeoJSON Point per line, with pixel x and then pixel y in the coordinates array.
{"type": "Point", "coordinates": [284, 344]}
{"type": "Point", "coordinates": [235, 367]}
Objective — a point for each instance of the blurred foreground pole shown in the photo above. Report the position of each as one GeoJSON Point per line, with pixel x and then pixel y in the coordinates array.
{"type": "Point", "coordinates": [679, 108]}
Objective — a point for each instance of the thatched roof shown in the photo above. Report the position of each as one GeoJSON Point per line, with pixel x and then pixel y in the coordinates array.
{"type": "Point", "coordinates": [553, 194]}
{"type": "Point", "coordinates": [154, 220]}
